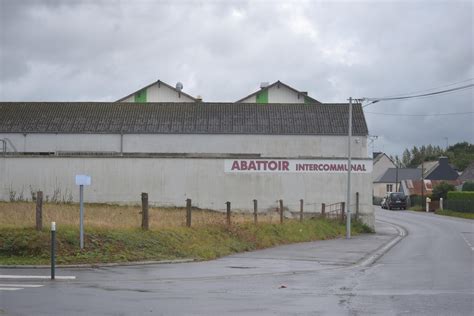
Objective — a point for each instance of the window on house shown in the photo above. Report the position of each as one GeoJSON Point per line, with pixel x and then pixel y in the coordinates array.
{"type": "Point", "coordinates": [389, 187]}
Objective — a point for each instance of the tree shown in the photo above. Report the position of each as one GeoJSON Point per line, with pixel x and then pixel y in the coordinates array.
{"type": "Point", "coordinates": [441, 190]}
{"type": "Point", "coordinates": [406, 157]}
{"type": "Point", "coordinates": [460, 155]}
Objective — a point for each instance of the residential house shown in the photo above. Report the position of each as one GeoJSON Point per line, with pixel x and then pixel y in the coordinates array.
{"type": "Point", "coordinates": [439, 170]}
{"type": "Point", "coordinates": [422, 187]}
{"type": "Point", "coordinates": [468, 173]}
{"type": "Point", "coordinates": [381, 163]}
{"type": "Point", "coordinates": [390, 180]}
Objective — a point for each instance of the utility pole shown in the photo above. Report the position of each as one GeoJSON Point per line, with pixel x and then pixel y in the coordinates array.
{"type": "Point", "coordinates": [422, 183]}
{"type": "Point", "coordinates": [348, 198]}
{"type": "Point", "coordinates": [396, 179]}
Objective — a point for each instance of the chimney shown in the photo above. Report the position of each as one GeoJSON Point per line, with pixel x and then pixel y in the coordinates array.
{"type": "Point", "coordinates": [443, 161]}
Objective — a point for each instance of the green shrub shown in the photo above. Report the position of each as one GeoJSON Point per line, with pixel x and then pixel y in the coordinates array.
{"type": "Point", "coordinates": [457, 195]}
{"type": "Point", "coordinates": [468, 186]}
{"type": "Point", "coordinates": [441, 190]}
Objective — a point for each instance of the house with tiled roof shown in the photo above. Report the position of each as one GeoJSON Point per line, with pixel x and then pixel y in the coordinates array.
{"type": "Point", "coordinates": [278, 92]}
{"type": "Point", "coordinates": [438, 170]}
{"type": "Point", "coordinates": [391, 179]}
{"type": "Point", "coordinates": [381, 163]}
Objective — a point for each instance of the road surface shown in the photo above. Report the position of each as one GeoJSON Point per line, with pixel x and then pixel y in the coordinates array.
{"type": "Point", "coordinates": [429, 272]}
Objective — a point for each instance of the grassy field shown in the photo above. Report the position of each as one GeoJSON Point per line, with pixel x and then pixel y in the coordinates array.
{"type": "Point", "coordinates": [22, 214]}
{"type": "Point", "coordinates": [112, 234]}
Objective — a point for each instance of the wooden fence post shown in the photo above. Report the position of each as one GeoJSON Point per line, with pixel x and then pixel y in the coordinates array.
{"type": "Point", "coordinates": [357, 206]}
{"type": "Point", "coordinates": [188, 212]}
{"type": "Point", "coordinates": [323, 210]}
{"type": "Point", "coordinates": [228, 213]}
{"type": "Point", "coordinates": [255, 211]}
{"type": "Point", "coordinates": [145, 222]}
{"type": "Point", "coordinates": [281, 211]}
{"type": "Point", "coordinates": [301, 210]}
{"type": "Point", "coordinates": [39, 210]}
{"type": "Point", "coordinates": [343, 208]}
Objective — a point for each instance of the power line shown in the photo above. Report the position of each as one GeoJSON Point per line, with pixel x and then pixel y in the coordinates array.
{"type": "Point", "coordinates": [418, 95]}
{"type": "Point", "coordinates": [434, 88]}
{"type": "Point", "coordinates": [434, 114]}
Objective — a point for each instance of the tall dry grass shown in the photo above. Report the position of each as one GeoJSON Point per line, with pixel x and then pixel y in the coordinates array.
{"type": "Point", "coordinates": [22, 214]}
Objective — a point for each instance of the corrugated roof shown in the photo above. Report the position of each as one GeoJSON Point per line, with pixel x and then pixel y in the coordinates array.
{"type": "Point", "coordinates": [179, 118]}
{"type": "Point", "coordinates": [390, 176]}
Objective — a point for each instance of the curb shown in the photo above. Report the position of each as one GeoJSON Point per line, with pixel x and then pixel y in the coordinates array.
{"type": "Point", "coordinates": [382, 250]}
{"type": "Point", "coordinates": [98, 265]}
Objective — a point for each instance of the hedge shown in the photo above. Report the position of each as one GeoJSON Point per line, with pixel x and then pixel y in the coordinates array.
{"type": "Point", "coordinates": [461, 196]}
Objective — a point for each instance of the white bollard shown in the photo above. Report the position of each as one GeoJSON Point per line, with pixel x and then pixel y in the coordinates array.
{"type": "Point", "coordinates": [428, 200]}
{"type": "Point", "coordinates": [441, 203]}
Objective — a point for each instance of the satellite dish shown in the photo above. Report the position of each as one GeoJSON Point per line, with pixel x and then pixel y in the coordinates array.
{"type": "Point", "coordinates": [179, 86]}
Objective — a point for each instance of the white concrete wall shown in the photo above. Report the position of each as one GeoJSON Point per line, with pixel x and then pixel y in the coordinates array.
{"type": "Point", "coordinates": [170, 181]}
{"type": "Point", "coordinates": [63, 142]}
{"type": "Point", "coordinates": [165, 94]}
{"type": "Point", "coordinates": [278, 95]}
{"type": "Point", "coordinates": [380, 189]}
{"type": "Point", "coordinates": [283, 95]}
{"type": "Point", "coordinates": [382, 165]}
{"type": "Point", "coordinates": [161, 94]}
{"type": "Point", "coordinates": [266, 145]}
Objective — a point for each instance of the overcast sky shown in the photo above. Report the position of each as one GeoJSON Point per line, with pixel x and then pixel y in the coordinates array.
{"type": "Point", "coordinates": [104, 50]}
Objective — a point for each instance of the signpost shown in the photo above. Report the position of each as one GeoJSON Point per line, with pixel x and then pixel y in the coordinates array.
{"type": "Point", "coordinates": [81, 181]}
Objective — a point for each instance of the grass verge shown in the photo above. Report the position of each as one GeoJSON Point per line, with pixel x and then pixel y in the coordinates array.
{"type": "Point", "coordinates": [27, 246]}
{"type": "Point", "coordinates": [455, 214]}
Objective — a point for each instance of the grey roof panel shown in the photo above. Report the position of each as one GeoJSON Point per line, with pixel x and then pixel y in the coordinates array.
{"type": "Point", "coordinates": [179, 118]}
{"type": "Point", "coordinates": [390, 176]}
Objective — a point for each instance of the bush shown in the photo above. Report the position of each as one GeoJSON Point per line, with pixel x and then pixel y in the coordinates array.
{"type": "Point", "coordinates": [441, 190]}
{"type": "Point", "coordinates": [468, 186]}
{"type": "Point", "coordinates": [457, 195]}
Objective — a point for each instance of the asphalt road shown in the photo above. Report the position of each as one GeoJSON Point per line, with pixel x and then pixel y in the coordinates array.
{"type": "Point", "coordinates": [429, 272]}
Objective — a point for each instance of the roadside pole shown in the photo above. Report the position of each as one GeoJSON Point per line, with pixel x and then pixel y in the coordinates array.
{"type": "Point", "coordinates": [53, 250]}
{"type": "Point", "coordinates": [81, 221]}
{"type": "Point", "coordinates": [348, 198]}
{"type": "Point", "coordinates": [81, 181]}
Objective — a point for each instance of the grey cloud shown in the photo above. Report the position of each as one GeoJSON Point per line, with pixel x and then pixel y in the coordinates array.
{"type": "Point", "coordinates": [103, 50]}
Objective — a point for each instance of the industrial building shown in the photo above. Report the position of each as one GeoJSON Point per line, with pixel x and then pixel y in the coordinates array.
{"type": "Point", "coordinates": [209, 152]}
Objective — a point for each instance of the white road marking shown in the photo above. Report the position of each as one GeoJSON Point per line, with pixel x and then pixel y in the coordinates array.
{"type": "Point", "coordinates": [12, 276]}
{"type": "Point", "coordinates": [467, 242]}
{"type": "Point", "coordinates": [20, 285]}
{"type": "Point", "coordinates": [10, 288]}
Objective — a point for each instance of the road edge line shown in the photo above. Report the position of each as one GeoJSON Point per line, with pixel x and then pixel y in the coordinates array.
{"type": "Point", "coordinates": [382, 250]}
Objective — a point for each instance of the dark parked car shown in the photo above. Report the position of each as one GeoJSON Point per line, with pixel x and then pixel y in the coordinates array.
{"type": "Point", "coordinates": [396, 200]}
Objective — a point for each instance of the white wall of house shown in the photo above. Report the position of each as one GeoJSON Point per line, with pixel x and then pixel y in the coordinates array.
{"type": "Point", "coordinates": [266, 145]}
{"type": "Point", "coordinates": [162, 93]}
{"type": "Point", "coordinates": [381, 166]}
{"type": "Point", "coordinates": [169, 181]}
{"type": "Point", "coordinates": [380, 189]}
{"type": "Point", "coordinates": [279, 94]}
